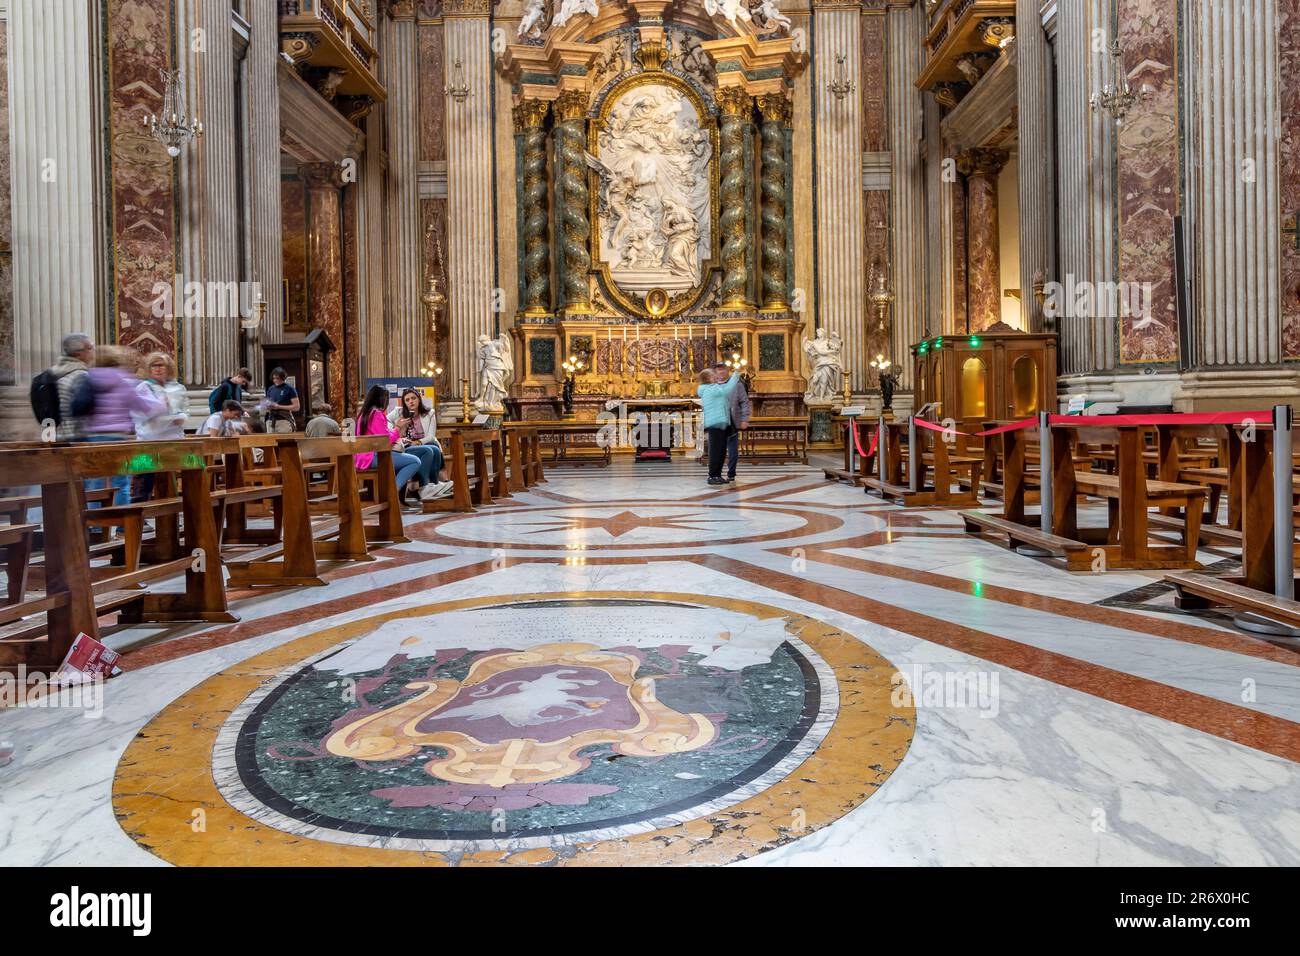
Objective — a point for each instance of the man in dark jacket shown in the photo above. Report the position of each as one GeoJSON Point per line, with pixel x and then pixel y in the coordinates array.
{"type": "Point", "coordinates": [230, 390]}
{"type": "Point", "coordinates": [741, 412]}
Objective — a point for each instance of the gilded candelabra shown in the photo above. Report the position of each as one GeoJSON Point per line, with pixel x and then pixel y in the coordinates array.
{"type": "Point", "coordinates": [464, 399]}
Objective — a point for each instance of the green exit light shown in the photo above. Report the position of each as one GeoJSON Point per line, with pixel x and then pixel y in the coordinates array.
{"type": "Point", "coordinates": [974, 341]}
{"type": "Point", "coordinates": [938, 343]}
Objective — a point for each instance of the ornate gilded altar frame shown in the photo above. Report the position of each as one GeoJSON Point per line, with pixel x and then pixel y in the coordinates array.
{"type": "Point", "coordinates": [679, 303]}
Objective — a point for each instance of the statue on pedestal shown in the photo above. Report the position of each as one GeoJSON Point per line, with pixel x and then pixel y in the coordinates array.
{"type": "Point", "coordinates": [825, 356]}
{"type": "Point", "coordinates": [496, 370]}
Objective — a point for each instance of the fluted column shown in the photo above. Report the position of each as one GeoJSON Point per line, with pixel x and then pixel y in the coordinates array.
{"type": "Point", "coordinates": [776, 112]}
{"type": "Point", "coordinates": [1037, 200]}
{"type": "Point", "coordinates": [572, 198]}
{"type": "Point", "coordinates": [736, 106]}
{"type": "Point", "coordinates": [401, 67]}
{"type": "Point", "coordinates": [983, 242]}
{"type": "Point", "coordinates": [530, 120]}
{"type": "Point", "coordinates": [325, 263]}
{"type": "Point", "coordinates": [471, 231]}
{"type": "Point", "coordinates": [208, 196]}
{"type": "Point", "coordinates": [262, 121]}
{"type": "Point", "coordinates": [907, 179]}
{"type": "Point", "coordinates": [841, 282]}
{"type": "Point", "coordinates": [58, 224]}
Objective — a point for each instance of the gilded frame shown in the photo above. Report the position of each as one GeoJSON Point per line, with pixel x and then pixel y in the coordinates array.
{"type": "Point", "coordinates": [630, 304]}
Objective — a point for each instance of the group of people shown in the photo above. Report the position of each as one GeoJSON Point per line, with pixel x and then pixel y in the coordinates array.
{"type": "Point", "coordinates": [108, 393]}
{"type": "Point", "coordinates": [726, 413]}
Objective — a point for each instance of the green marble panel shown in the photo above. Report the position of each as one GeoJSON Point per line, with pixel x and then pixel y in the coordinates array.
{"type": "Point", "coordinates": [771, 353]}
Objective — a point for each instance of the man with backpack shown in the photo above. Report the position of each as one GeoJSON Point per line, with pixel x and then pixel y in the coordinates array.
{"type": "Point", "coordinates": [54, 391]}
{"type": "Point", "coordinates": [230, 390]}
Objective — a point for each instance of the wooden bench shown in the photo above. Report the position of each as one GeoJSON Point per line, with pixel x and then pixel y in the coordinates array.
{"type": "Point", "coordinates": [937, 470]}
{"type": "Point", "coordinates": [775, 440]}
{"type": "Point", "coordinates": [524, 452]}
{"type": "Point", "coordinates": [575, 443]}
{"type": "Point", "coordinates": [343, 535]}
{"type": "Point", "coordinates": [856, 467]}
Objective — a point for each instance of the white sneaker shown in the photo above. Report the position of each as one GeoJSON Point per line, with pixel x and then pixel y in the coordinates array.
{"type": "Point", "coordinates": [427, 491]}
{"type": "Point", "coordinates": [443, 489]}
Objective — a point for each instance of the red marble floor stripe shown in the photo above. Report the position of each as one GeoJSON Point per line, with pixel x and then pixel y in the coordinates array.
{"type": "Point", "coordinates": [244, 630]}
{"type": "Point", "coordinates": [1231, 722]}
{"type": "Point", "coordinates": [799, 489]}
{"type": "Point", "coordinates": [393, 558]}
{"type": "Point", "coordinates": [1109, 616]}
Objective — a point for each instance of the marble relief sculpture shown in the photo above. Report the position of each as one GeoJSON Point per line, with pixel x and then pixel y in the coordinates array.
{"type": "Point", "coordinates": [825, 356]}
{"type": "Point", "coordinates": [496, 370]}
{"type": "Point", "coordinates": [653, 204]}
{"type": "Point", "coordinates": [730, 9]}
{"type": "Point", "coordinates": [571, 8]}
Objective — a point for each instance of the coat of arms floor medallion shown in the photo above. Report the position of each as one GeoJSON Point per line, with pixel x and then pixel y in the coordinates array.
{"type": "Point", "coordinates": [561, 724]}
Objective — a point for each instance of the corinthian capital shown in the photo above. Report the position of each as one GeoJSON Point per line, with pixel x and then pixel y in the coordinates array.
{"type": "Point", "coordinates": [733, 101]}
{"type": "Point", "coordinates": [530, 114]}
{"type": "Point", "coordinates": [571, 105]}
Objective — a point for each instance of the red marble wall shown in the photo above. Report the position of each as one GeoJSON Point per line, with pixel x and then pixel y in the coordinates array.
{"type": "Point", "coordinates": [875, 139]}
{"type": "Point", "coordinates": [7, 358]}
{"type": "Point", "coordinates": [349, 377]}
{"type": "Point", "coordinates": [434, 214]}
{"type": "Point", "coordinates": [293, 247]}
{"type": "Point", "coordinates": [141, 173]}
{"type": "Point", "coordinates": [433, 148]}
{"type": "Point", "coordinates": [1289, 167]}
{"type": "Point", "coordinates": [1149, 183]}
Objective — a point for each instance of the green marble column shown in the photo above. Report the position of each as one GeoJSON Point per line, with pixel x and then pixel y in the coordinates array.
{"type": "Point", "coordinates": [736, 106]}
{"type": "Point", "coordinates": [572, 196]}
{"type": "Point", "coordinates": [530, 119]}
{"type": "Point", "coordinates": [775, 109]}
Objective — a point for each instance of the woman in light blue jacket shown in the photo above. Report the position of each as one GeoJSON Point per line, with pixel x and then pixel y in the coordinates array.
{"type": "Point", "coordinates": [716, 399]}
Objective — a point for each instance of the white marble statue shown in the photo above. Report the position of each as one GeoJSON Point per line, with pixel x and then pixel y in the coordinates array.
{"type": "Point", "coordinates": [571, 8]}
{"type": "Point", "coordinates": [496, 370]}
{"type": "Point", "coordinates": [731, 9]}
{"type": "Point", "coordinates": [653, 204]}
{"type": "Point", "coordinates": [772, 16]}
{"type": "Point", "coordinates": [534, 13]}
{"type": "Point", "coordinates": [825, 359]}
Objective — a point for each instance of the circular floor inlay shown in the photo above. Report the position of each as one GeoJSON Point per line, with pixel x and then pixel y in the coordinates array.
{"type": "Point", "coordinates": [541, 728]}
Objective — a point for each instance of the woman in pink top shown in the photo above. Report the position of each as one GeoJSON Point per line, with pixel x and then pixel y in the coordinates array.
{"type": "Point", "coordinates": [373, 420]}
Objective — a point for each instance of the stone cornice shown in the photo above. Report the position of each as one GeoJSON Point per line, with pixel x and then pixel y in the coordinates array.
{"type": "Point", "coordinates": [313, 130]}
{"type": "Point", "coordinates": [757, 66]}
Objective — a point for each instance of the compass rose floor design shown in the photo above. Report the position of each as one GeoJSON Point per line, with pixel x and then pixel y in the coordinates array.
{"type": "Point", "coordinates": [625, 666]}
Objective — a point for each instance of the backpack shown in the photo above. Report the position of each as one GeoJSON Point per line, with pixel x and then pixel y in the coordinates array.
{"type": "Point", "coordinates": [217, 396]}
{"type": "Point", "coordinates": [45, 397]}
{"type": "Point", "coordinates": [83, 398]}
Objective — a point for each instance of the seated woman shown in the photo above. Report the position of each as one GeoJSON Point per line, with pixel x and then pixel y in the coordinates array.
{"type": "Point", "coordinates": [372, 420]}
{"type": "Point", "coordinates": [417, 424]}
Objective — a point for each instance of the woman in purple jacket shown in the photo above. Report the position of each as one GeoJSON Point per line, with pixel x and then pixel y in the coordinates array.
{"type": "Point", "coordinates": [112, 391]}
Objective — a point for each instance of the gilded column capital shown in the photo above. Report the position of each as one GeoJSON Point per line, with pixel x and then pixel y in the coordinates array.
{"type": "Point", "coordinates": [982, 161]}
{"type": "Point", "coordinates": [530, 114]}
{"type": "Point", "coordinates": [466, 8]}
{"type": "Point", "coordinates": [734, 101]}
{"type": "Point", "coordinates": [571, 105]}
{"type": "Point", "coordinates": [775, 107]}
{"type": "Point", "coordinates": [401, 9]}
{"type": "Point", "coordinates": [996, 31]}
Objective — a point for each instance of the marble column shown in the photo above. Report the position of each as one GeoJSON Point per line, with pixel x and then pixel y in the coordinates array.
{"type": "Point", "coordinates": [208, 196]}
{"type": "Point", "coordinates": [325, 262]}
{"type": "Point", "coordinates": [736, 106]}
{"type": "Point", "coordinates": [401, 69]}
{"type": "Point", "coordinates": [572, 197]}
{"type": "Point", "coordinates": [262, 184]}
{"type": "Point", "coordinates": [983, 260]}
{"type": "Point", "coordinates": [375, 343]}
{"type": "Point", "coordinates": [841, 283]}
{"type": "Point", "coordinates": [1036, 145]}
{"type": "Point", "coordinates": [775, 110]}
{"type": "Point", "coordinates": [530, 120]}
{"type": "Point", "coordinates": [907, 179]}
{"type": "Point", "coordinates": [58, 214]}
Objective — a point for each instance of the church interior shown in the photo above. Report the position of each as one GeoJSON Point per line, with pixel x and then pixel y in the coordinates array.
{"type": "Point", "coordinates": [797, 432]}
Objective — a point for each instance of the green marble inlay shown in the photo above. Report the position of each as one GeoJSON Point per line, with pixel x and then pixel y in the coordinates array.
{"type": "Point", "coordinates": [771, 353]}
{"type": "Point", "coordinates": [757, 710]}
{"type": "Point", "coordinates": [541, 356]}
{"type": "Point", "coordinates": [819, 424]}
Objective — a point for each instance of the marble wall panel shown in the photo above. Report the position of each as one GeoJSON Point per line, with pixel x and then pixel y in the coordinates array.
{"type": "Point", "coordinates": [1149, 183]}
{"type": "Point", "coordinates": [433, 142]}
{"type": "Point", "coordinates": [1289, 167]}
{"type": "Point", "coordinates": [139, 34]}
{"type": "Point", "coordinates": [293, 218]}
{"type": "Point", "coordinates": [6, 222]}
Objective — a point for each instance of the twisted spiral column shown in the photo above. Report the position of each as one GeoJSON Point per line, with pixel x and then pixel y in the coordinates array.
{"type": "Point", "coordinates": [736, 106]}
{"type": "Point", "coordinates": [775, 110]}
{"type": "Point", "coordinates": [530, 117]}
{"type": "Point", "coordinates": [572, 196]}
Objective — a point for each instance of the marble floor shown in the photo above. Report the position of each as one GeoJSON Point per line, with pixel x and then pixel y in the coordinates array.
{"type": "Point", "coordinates": [627, 666]}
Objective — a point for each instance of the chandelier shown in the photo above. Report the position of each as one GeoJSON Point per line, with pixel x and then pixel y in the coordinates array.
{"type": "Point", "coordinates": [1117, 99]}
{"type": "Point", "coordinates": [173, 129]}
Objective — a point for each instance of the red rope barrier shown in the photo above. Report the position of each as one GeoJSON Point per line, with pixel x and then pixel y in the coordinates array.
{"type": "Point", "coordinates": [1014, 426]}
{"type": "Point", "coordinates": [1191, 418]}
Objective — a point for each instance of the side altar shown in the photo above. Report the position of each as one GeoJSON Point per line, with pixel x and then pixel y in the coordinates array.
{"type": "Point", "coordinates": [655, 203]}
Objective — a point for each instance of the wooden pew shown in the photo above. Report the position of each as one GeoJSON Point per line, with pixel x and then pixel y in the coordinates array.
{"type": "Point", "coordinates": [524, 453]}
{"type": "Point", "coordinates": [342, 536]}
{"type": "Point", "coordinates": [575, 443]}
{"type": "Point", "coordinates": [866, 428]}
{"type": "Point", "coordinates": [74, 595]}
{"type": "Point", "coordinates": [937, 469]}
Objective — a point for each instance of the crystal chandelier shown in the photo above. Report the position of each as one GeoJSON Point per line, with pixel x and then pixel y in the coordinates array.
{"type": "Point", "coordinates": [1117, 99]}
{"type": "Point", "coordinates": [173, 129]}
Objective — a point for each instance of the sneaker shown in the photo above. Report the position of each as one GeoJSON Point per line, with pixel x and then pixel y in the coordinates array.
{"type": "Point", "coordinates": [731, 478]}
{"type": "Point", "coordinates": [443, 489]}
{"type": "Point", "coordinates": [717, 481]}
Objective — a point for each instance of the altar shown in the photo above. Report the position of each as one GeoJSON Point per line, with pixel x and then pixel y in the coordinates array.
{"type": "Point", "coordinates": [658, 425]}
{"type": "Point", "coordinates": [656, 230]}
